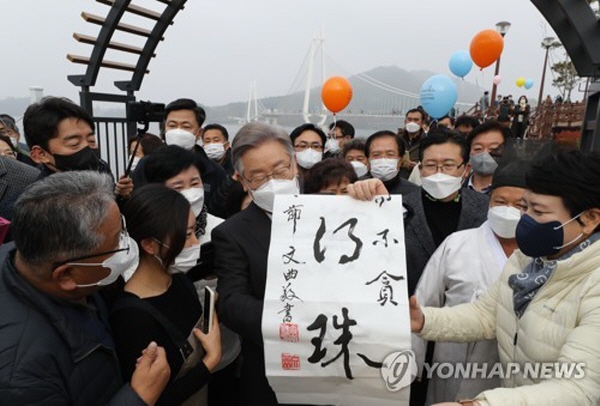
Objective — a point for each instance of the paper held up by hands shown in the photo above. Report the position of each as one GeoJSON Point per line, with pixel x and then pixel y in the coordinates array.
{"type": "Point", "coordinates": [335, 322]}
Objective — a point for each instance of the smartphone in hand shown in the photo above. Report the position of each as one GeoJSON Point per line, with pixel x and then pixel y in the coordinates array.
{"type": "Point", "coordinates": [209, 309]}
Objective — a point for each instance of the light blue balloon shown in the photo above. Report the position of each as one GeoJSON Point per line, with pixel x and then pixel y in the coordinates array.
{"type": "Point", "coordinates": [460, 63]}
{"type": "Point", "coordinates": [438, 95]}
{"type": "Point", "coordinates": [528, 84]}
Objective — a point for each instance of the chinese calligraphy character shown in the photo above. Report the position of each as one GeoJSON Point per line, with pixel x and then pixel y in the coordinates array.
{"type": "Point", "coordinates": [290, 274]}
{"type": "Point", "coordinates": [289, 257]}
{"type": "Point", "coordinates": [319, 253]}
{"type": "Point", "coordinates": [343, 340]}
{"type": "Point", "coordinates": [384, 237]}
{"type": "Point", "coordinates": [344, 259]}
{"type": "Point", "coordinates": [287, 309]}
{"type": "Point", "coordinates": [386, 293]}
{"type": "Point", "coordinates": [294, 213]}
{"type": "Point", "coordinates": [288, 293]}
{"type": "Point", "coordinates": [370, 362]}
{"type": "Point", "coordinates": [382, 199]}
{"type": "Point", "coordinates": [319, 353]}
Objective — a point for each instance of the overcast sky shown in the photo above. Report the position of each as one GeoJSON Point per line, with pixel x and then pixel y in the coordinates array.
{"type": "Point", "coordinates": [217, 47]}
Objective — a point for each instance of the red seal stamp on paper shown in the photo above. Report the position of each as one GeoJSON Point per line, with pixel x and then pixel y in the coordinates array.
{"type": "Point", "coordinates": [289, 332]}
{"type": "Point", "coordinates": [290, 362]}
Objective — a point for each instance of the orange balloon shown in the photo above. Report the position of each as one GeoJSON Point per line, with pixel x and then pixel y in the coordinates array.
{"type": "Point", "coordinates": [336, 93]}
{"type": "Point", "coordinates": [486, 48]}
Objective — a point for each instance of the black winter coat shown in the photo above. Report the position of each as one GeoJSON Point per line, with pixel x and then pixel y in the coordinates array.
{"type": "Point", "coordinates": [46, 358]}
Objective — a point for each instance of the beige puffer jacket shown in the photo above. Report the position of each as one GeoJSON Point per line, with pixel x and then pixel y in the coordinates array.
{"type": "Point", "coordinates": [560, 325]}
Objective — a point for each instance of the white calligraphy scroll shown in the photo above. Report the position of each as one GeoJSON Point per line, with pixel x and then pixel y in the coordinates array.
{"type": "Point", "coordinates": [335, 324]}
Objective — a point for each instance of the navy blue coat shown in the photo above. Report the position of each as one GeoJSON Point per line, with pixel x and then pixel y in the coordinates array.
{"type": "Point", "coordinates": [46, 358]}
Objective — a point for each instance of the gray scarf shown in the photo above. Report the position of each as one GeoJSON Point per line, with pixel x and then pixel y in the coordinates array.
{"type": "Point", "coordinates": [526, 285]}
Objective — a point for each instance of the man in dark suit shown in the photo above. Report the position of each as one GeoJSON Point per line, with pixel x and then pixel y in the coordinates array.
{"type": "Point", "coordinates": [437, 210]}
{"type": "Point", "coordinates": [58, 133]}
{"type": "Point", "coordinates": [412, 134]}
{"type": "Point", "coordinates": [15, 176]}
{"type": "Point", "coordinates": [263, 158]}
{"type": "Point", "coordinates": [441, 206]}
{"type": "Point", "coordinates": [385, 150]}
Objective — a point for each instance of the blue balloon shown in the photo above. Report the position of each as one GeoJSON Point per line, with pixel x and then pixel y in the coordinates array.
{"type": "Point", "coordinates": [460, 63]}
{"type": "Point", "coordinates": [528, 84]}
{"type": "Point", "coordinates": [438, 95]}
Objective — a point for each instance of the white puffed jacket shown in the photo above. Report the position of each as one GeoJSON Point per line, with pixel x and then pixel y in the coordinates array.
{"type": "Point", "coordinates": [561, 325]}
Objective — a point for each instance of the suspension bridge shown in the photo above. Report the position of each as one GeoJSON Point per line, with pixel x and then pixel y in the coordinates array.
{"type": "Point", "coordinates": [374, 102]}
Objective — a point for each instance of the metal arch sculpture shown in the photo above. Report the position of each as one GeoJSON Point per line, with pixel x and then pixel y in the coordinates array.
{"type": "Point", "coordinates": [579, 30]}
{"type": "Point", "coordinates": [113, 133]}
{"type": "Point", "coordinates": [102, 43]}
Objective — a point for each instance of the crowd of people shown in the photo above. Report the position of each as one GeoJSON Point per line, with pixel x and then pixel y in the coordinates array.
{"type": "Point", "coordinates": [103, 278]}
{"type": "Point", "coordinates": [504, 110]}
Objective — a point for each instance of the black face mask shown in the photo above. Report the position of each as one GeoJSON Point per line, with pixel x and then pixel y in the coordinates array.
{"type": "Point", "coordinates": [82, 160]}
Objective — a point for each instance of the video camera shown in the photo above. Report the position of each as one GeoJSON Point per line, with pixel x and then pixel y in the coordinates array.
{"type": "Point", "coordinates": [142, 112]}
{"type": "Point", "coordinates": [145, 112]}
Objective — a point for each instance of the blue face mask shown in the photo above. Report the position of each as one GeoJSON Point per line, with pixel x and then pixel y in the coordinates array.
{"type": "Point", "coordinates": [541, 239]}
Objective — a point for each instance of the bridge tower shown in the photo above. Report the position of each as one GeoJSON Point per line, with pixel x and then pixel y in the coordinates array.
{"type": "Point", "coordinates": [252, 109]}
{"type": "Point", "coordinates": [317, 49]}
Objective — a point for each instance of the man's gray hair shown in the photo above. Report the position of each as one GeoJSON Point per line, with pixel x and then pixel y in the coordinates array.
{"type": "Point", "coordinates": [253, 135]}
{"type": "Point", "coordinates": [57, 218]}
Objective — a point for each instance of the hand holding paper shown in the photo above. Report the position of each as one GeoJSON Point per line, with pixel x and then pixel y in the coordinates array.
{"type": "Point", "coordinates": [367, 189]}
{"type": "Point", "coordinates": [417, 320]}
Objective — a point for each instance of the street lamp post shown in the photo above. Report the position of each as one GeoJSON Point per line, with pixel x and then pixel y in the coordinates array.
{"type": "Point", "coordinates": [502, 28]}
{"type": "Point", "coordinates": [546, 43]}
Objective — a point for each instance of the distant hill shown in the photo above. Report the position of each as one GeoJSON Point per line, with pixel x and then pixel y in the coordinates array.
{"type": "Point", "coordinates": [367, 96]}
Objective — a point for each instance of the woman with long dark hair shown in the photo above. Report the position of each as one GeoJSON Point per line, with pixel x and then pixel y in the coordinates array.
{"type": "Point", "coordinates": [160, 305]}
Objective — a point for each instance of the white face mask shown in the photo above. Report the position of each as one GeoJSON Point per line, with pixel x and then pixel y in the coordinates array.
{"type": "Point", "coordinates": [215, 151]}
{"type": "Point", "coordinates": [332, 145]}
{"type": "Point", "coordinates": [186, 260]}
{"type": "Point", "coordinates": [384, 168]}
{"type": "Point", "coordinates": [135, 162]}
{"type": "Point", "coordinates": [15, 141]}
{"type": "Point", "coordinates": [181, 138]}
{"type": "Point", "coordinates": [412, 127]}
{"type": "Point", "coordinates": [308, 158]}
{"type": "Point", "coordinates": [504, 220]}
{"type": "Point", "coordinates": [264, 196]}
{"type": "Point", "coordinates": [360, 168]}
{"type": "Point", "coordinates": [118, 263]}
{"type": "Point", "coordinates": [441, 185]}
{"type": "Point", "coordinates": [195, 195]}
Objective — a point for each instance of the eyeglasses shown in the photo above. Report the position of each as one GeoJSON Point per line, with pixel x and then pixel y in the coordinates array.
{"type": "Point", "coordinates": [124, 235]}
{"type": "Point", "coordinates": [305, 145]}
{"type": "Point", "coordinates": [282, 172]}
{"type": "Point", "coordinates": [336, 136]}
{"type": "Point", "coordinates": [446, 167]}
